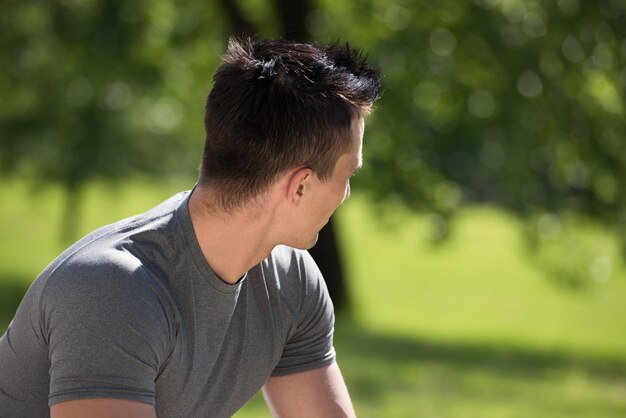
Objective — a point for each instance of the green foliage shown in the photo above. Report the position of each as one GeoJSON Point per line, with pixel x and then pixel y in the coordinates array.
{"type": "Point", "coordinates": [102, 88]}
{"type": "Point", "coordinates": [515, 103]}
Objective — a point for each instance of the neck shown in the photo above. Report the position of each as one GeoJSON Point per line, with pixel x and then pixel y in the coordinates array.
{"type": "Point", "coordinates": [232, 243]}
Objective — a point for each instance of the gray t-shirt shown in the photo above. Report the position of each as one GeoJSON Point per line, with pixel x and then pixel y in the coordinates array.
{"type": "Point", "coordinates": [134, 311]}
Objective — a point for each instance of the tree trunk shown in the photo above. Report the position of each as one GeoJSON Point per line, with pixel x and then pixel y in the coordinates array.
{"type": "Point", "coordinates": [240, 24]}
{"type": "Point", "coordinates": [292, 16]}
{"type": "Point", "coordinates": [326, 255]}
{"type": "Point", "coordinates": [70, 218]}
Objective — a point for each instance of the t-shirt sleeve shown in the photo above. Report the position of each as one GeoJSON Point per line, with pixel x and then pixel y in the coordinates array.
{"type": "Point", "coordinates": [108, 329]}
{"type": "Point", "coordinates": [310, 344]}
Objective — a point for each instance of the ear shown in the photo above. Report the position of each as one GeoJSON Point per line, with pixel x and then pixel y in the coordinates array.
{"type": "Point", "coordinates": [299, 184]}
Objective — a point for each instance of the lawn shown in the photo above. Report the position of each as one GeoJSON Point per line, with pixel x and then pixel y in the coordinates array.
{"type": "Point", "coordinates": [468, 328]}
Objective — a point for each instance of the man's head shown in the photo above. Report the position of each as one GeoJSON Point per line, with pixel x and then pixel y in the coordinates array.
{"type": "Point", "coordinates": [278, 105]}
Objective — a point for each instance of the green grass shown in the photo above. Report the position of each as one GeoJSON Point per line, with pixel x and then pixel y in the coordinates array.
{"type": "Point", "coordinates": [30, 219]}
{"type": "Point", "coordinates": [468, 328]}
{"type": "Point", "coordinates": [479, 286]}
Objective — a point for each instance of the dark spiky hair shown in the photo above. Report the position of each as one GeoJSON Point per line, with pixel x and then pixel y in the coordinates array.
{"type": "Point", "coordinates": [277, 105]}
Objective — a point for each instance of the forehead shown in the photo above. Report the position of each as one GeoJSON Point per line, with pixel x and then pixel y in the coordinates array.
{"type": "Point", "coordinates": [352, 159]}
{"type": "Point", "coordinates": [358, 126]}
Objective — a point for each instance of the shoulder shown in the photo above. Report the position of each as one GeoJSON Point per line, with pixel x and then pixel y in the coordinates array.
{"type": "Point", "coordinates": [292, 269]}
{"type": "Point", "coordinates": [105, 285]}
{"type": "Point", "coordinates": [105, 280]}
{"type": "Point", "coordinates": [97, 268]}
{"type": "Point", "coordinates": [104, 297]}
{"type": "Point", "coordinates": [294, 263]}
{"type": "Point", "coordinates": [295, 275]}
{"type": "Point", "coordinates": [116, 258]}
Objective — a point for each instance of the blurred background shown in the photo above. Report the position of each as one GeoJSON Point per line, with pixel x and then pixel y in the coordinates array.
{"type": "Point", "coordinates": [478, 269]}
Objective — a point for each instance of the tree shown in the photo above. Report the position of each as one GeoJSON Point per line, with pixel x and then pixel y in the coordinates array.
{"type": "Point", "coordinates": [519, 104]}
{"type": "Point", "coordinates": [91, 92]}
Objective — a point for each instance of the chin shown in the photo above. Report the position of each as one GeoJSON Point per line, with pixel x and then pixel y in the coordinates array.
{"type": "Point", "coordinates": [313, 241]}
{"type": "Point", "coordinates": [305, 244]}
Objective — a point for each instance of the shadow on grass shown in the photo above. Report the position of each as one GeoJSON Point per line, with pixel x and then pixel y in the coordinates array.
{"type": "Point", "coordinates": [402, 359]}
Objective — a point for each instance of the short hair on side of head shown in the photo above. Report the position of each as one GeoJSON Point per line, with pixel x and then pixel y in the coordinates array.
{"type": "Point", "coordinates": [276, 105]}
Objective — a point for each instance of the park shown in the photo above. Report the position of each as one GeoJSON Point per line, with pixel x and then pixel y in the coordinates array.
{"type": "Point", "coordinates": [481, 257]}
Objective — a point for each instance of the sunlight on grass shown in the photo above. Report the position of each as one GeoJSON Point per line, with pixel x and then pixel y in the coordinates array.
{"type": "Point", "coordinates": [479, 286]}
{"type": "Point", "coordinates": [30, 216]}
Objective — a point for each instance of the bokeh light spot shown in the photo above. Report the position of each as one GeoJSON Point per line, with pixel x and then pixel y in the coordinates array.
{"type": "Point", "coordinates": [481, 104]}
{"type": "Point", "coordinates": [578, 175]}
{"type": "Point", "coordinates": [164, 115]}
{"type": "Point", "coordinates": [408, 158]}
{"type": "Point", "coordinates": [602, 57]}
{"type": "Point", "coordinates": [605, 187]}
{"type": "Point", "coordinates": [396, 17]}
{"type": "Point", "coordinates": [426, 95]}
{"type": "Point", "coordinates": [600, 269]}
{"type": "Point", "coordinates": [529, 84]}
{"type": "Point", "coordinates": [514, 10]}
{"type": "Point", "coordinates": [492, 154]}
{"type": "Point", "coordinates": [549, 227]}
{"type": "Point", "coordinates": [533, 27]}
{"type": "Point", "coordinates": [448, 195]}
{"type": "Point", "coordinates": [572, 49]}
{"type": "Point", "coordinates": [600, 87]}
{"type": "Point", "coordinates": [569, 7]}
{"type": "Point", "coordinates": [117, 95]}
{"type": "Point", "coordinates": [610, 9]}
{"type": "Point", "coordinates": [442, 42]}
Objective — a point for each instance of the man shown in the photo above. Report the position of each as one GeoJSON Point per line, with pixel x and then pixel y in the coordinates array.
{"type": "Point", "coordinates": [189, 309]}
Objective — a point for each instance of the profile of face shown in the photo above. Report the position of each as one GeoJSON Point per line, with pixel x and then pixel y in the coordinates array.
{"type": "Point", "coordinates": [320, 198]}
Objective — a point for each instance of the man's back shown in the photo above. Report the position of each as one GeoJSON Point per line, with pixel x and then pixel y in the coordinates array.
{"type": "Point", "coordinates": [133, 311]}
